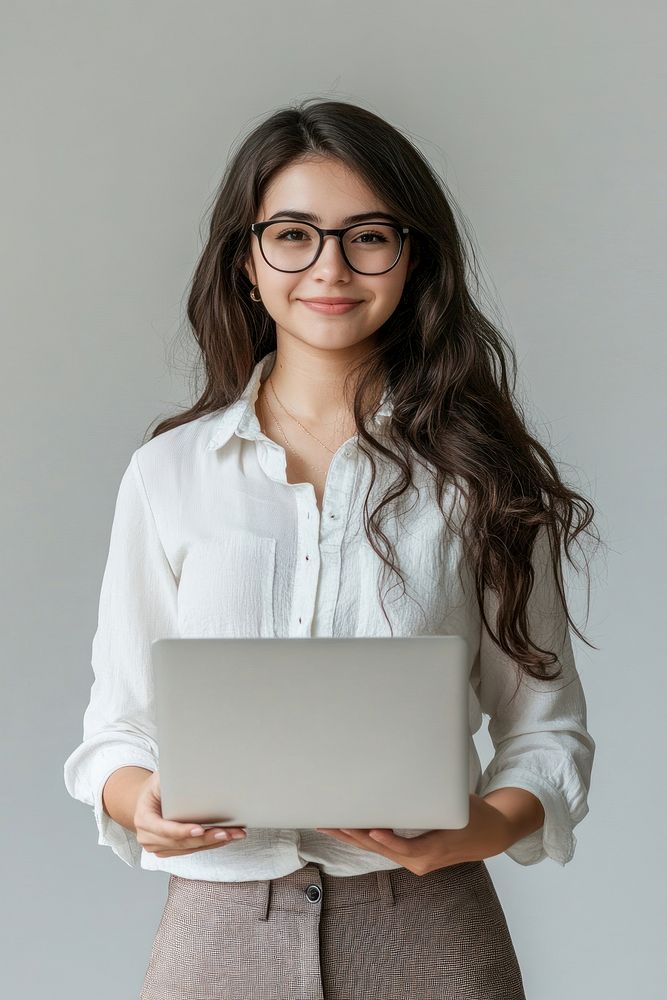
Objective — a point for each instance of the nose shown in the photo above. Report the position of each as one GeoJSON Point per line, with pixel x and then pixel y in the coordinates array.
{"type": "Point", "coordinates": [331, 258]}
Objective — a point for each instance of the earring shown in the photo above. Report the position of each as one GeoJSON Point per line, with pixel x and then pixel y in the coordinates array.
{"type": "Point", "coordinates": [255, 288]}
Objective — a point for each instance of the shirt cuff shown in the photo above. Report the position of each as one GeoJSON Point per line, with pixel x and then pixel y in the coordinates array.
{"type": "Point", "coordinates": [87, 786]}
{"type": "Point", "coordinates": [123, 842]}
{"type": "Point", "coordinates": [555, 839]}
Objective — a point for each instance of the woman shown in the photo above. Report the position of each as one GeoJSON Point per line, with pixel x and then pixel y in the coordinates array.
{"type": "Point", "coordinates": [356, 423]}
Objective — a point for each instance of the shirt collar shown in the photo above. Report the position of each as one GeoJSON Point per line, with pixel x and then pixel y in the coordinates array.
{"type": "Point", "coordinates": [240, 418]}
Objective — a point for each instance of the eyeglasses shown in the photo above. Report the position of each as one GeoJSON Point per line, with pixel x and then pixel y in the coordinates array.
{"type": "Point", "coordinates": [367, 248]}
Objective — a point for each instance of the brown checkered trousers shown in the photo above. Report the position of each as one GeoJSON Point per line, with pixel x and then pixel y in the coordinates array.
{"type": "Point", "coordinates": [386, 934]}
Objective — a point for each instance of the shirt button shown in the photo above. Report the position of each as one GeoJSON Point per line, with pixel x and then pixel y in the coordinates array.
{"type": "Point", "coordinates": [314, 893]}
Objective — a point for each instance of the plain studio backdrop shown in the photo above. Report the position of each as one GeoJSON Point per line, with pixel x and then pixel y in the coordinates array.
{"type": "Point", "coordinates": [546, 121]}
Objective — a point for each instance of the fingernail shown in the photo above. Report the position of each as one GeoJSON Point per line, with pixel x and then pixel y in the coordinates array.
{"type": "Point", "coordinates": [237, 835]}
{"type": "Point", "coordinates": [196, 831]}
{"type": "Point", "coordinates": [221, 835]}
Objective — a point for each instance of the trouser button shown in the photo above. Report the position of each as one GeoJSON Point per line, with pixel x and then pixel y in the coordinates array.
{"type": "Point", "coordinates": [314, 893]}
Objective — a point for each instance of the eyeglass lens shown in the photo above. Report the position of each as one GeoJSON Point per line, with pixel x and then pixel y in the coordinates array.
{"type": "Point", "coordinates": [291, 246]}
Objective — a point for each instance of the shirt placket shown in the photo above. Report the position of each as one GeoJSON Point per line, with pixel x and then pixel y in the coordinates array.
{"type": "Point", "coordinates": [319, 544]}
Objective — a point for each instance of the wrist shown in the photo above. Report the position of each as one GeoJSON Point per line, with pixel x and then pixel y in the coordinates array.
{"type": "Point", "coordinates": [121, 792]}
{"type": "Point", "coordinates": [522, 811]}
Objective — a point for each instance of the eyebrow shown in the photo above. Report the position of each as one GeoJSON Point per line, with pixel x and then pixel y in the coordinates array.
{"type": "Point", "coordinates": [294, 213]}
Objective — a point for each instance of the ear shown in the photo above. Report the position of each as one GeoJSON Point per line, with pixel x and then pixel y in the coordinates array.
{"type": "Point", "coordinates": [249, 270]}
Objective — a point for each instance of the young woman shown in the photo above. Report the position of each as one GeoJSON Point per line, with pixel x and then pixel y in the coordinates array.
{"type": "Point", "coordinates": [356, 425]}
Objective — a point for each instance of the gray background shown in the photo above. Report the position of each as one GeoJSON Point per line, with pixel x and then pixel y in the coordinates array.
{"type": "Point", "coordinates": [545, 120]}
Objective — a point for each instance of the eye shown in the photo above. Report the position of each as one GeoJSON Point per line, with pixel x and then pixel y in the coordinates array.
{"type": "Point", "coordinates": [380, 237]}
{"type": "Point", "coordinates": [289, 232]}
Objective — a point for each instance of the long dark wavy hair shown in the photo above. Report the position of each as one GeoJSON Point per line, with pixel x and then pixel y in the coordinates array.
{"type": "Point", "coordinates": [445, 362]}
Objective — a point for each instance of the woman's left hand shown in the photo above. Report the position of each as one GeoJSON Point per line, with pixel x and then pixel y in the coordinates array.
{"type": "Point", "coordinates": [489, 832]}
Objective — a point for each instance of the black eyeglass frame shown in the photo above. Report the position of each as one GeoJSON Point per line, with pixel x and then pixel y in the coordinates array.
{"type": "Point", "coordinates": [258, 228]}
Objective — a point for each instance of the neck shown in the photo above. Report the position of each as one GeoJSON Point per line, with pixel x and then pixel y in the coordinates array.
{"type": "Point", "coordinates": [311, 388]}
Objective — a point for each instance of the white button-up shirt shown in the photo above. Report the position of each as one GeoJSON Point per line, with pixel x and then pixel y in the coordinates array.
{"type": "Point", "coordinates": [209, 539]}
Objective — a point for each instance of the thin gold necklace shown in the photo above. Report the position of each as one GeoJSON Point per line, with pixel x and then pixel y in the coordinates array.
{"type": "Point", "coordinates": [314, 468]}
{"type": "Point", "coordinates": [297, 420]}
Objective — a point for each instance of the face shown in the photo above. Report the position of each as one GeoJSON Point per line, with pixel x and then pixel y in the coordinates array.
{"type": "Point", "coordinates": [328, 189]}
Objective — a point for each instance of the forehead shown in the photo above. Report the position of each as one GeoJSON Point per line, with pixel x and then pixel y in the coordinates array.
{"type": "Point", "coordinates": [326, 187]}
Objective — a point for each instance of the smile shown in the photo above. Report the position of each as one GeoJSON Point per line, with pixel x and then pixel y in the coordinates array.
{"type": "Point", "coordinates": [330, 309]}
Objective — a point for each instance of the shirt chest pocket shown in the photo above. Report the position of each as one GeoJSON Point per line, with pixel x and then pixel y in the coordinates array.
{"type": "Point", "coordinates": [417, 610]}
{"type": "Point", "coordinates": [226, 586]}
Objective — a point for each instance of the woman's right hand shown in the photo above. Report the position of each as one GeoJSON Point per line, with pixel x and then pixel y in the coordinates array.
{"type": "Point", "coordinates": [166, 838]}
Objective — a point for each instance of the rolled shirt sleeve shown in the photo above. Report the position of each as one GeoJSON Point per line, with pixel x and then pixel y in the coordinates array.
{"type": "Point", "coordinates": [539, 734]}
{"type": "Point", "coordinates": [138, 603]}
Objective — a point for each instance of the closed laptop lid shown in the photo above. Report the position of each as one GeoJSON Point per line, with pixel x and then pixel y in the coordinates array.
{"type": "Point", "coordinates": [320, 731]}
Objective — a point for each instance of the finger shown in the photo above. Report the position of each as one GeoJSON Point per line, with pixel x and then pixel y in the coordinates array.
{"type": "Point", "coordinates": [150, 817]}
{"type": "Point", "coordinates": [152, 820]}
{"type": "Point", "coordinates": [207, 836]}
{"type": "Point", "coordinates": [361, 839]}
{"type": "Point", "coordinates": [167, 829]}
{"type": "Point", "coordinates": [383, 841]}
{"type": "Point", "coordinates": [407, 846]}
{"type": "Point", "coordinates": [166, 848]}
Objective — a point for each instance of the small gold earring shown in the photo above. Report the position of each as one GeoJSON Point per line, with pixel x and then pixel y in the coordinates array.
{"type": "Point", "coordinates": [255, 288]}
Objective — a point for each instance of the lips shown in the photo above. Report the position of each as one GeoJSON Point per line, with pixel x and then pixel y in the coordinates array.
{"type": "Point", "coordinates": [329, 308]}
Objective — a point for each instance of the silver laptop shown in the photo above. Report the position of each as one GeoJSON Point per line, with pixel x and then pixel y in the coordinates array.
{"type": "Point", "coordinates": [298, 733]}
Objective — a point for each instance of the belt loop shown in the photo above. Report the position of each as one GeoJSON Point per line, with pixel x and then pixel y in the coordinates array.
{"type": "Point", "coordinates": [263, 898]}
{"type": "Point", "coordinates": [385, 887]}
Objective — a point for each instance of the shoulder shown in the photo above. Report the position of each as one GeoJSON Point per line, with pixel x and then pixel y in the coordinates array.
{"type": "Point", "coordinates": [176, 455]}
